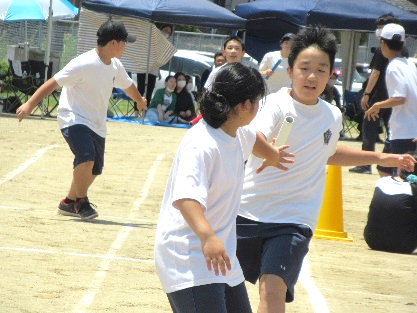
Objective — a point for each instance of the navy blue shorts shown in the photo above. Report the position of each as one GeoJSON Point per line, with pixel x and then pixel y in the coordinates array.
{"type": "Point", "coordinates": [270, 248]}
{"type": "Point", "coordinates": [86, 146]}
{"type": "Point", "coordinates": [219, 298]}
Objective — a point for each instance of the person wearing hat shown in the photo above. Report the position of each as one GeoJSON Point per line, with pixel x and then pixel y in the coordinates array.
{"type": "Point", "coordinates": [375, 91]}
{"type": "Point", "coordinates": [87, 82]}
{"type": "Point", "coordinates": [401, 80]}
{"type": "Point", "coordinates": [274, 65]}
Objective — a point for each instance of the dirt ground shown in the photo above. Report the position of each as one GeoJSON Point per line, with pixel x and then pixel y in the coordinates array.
{"type": "Point", "coordinates": [52, 263]}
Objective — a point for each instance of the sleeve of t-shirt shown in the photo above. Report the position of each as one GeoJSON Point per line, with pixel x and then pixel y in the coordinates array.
{"type": "Point", "coordinates": [379, 62]}
{"type": "Point", "coordinates": [395, 82]}
{"type": "Point", "coordinates": [121, 79]}
{"type": "Point", "coordinates": [193, 172]}
{"type": "Point", "coordinates": [70, 75]}
{"type": "Point", "coordinates": [268, 118]}
{"type": "Point", "coordinates": [265, 63]}
{"type": "Point", "coordinates": [247, 136]}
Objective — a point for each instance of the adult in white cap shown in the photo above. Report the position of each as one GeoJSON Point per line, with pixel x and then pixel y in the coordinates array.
{"type": "Point", "coordinates": [87, 82]}
{"type": "Point", "coordinates": [401, 80]}
{"type": "Point", "coordinates": [274, 65]}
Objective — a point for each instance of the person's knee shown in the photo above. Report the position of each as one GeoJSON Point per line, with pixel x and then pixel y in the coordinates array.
{"type": "Point", "coordinates": [272, 293]}
{"type": "Point", "coordinates": [85, 165]}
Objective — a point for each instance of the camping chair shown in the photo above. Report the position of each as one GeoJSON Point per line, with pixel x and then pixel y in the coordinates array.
{"type": "Point", "coordinates": [121, 104]}
{"type": "Point", "coordinates": [38, 71]}
{"type": "Point", "coordinates": [350, 114]}
{"type": "Point", "coordinates": [20, 86]}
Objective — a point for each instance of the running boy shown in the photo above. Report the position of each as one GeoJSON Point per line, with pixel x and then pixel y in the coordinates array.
{"type": "Point", "coordinates": [280, 209]}
{"type": "Point", "coordinates": [196, 232]}
{"type": "Point", "coordinates": [87, 83]}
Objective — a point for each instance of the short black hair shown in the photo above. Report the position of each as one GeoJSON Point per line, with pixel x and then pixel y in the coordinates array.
{"type": "Point", "coordinates": [314, 36]}
{"type": "Point", "coordinates": [236, 38]}
{"type": "Point", "coordinates": [217, 54]}
{"type": "Point", "coordinates": [386, 19]}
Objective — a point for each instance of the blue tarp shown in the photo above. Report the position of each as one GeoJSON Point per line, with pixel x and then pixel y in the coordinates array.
{"type": "Point", "coordinates": [269, 20]}
{"type": "Point", "coordinates": [146, 122]}
{"type": "Point", "coordinates": [192, 12]}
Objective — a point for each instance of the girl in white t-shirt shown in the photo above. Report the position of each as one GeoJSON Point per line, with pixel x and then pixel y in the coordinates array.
{"type": "Point", "coordinates": [195, 244]}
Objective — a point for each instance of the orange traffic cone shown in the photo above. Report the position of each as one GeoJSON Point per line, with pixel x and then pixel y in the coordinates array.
{"type": "Point", "coordinates": [330, 224]}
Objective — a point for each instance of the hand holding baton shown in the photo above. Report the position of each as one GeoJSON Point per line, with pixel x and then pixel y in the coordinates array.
{"type": "Point", "coordinates": [274, 68]}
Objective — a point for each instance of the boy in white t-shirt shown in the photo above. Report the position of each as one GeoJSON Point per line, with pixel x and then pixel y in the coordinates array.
{"type": "Point", "coordinates": [195, 242]}
{"type": "Point", "coordinates": [274, 65]}
{"type": "Point", "coordinates": [87, 81]}
{"type": "Point", "coordinates": [280, 209]}
{"type": "Point", "coordinates": [401, 80]}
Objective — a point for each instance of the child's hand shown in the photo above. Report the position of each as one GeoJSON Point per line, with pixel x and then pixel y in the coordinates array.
{"type": "Point", "coordinates": [215, 255]}
{"type": "Point", "coordinates": [284, 157]}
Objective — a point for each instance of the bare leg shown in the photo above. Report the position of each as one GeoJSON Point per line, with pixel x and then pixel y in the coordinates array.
{"type": "Point", "coordinates": [272, 293]}
{"type": "Point", "coordinates": [81, 181]}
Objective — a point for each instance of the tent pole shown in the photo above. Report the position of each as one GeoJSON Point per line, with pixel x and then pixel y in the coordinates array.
{"type": "Point", "coordinates": [48, 48]}
{"type": "Point", "coordinates": [145, 93]}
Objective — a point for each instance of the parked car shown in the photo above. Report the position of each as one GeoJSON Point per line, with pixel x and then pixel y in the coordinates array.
{"type": "Point", "coordinates": [189, 62]}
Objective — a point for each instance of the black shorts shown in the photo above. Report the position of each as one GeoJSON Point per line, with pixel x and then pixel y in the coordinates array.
{"type": "Point", "coordinates": [270, 248]}
{"type": "Point", "coordinates": [86, 146]}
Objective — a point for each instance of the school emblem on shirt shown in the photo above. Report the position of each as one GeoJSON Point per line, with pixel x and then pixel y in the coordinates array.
{"type": "Point", "coordinates": [327, 135]}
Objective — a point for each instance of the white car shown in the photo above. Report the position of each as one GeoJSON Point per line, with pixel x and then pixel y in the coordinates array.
{"type": "Point", "coordinates": [189, 62]}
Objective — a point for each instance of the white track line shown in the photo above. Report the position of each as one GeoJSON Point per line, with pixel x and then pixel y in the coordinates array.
{"type": "Point", "coordinates": [22, 167]}
{"type": "Point", "coordinates": [101, 216]}
{"type": "Point", "coordinates": [78, 254]}
{"type": "Point", "coordinates": [105, 263]}
{"type": "Point", "coordinates": [316, 297]}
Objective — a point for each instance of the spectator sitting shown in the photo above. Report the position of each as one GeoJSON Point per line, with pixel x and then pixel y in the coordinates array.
{"type": "Point", "coordinates": [330, 92]}
{"type": "Point", "coordinates": [163, 102]}
{"type": "Point", "coordinates": [392, 217]}
{"type": "Point", "coordinates": [184, 108]}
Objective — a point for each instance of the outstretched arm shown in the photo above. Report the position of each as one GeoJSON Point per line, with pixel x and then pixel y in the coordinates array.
{"type": "Point", "coordinates": [346, 156]}
{"type": "Point", "coordinates": [273, 156]}
{"type": "Point", "coordinates": [45, 90]}
{"type": "Point", "coordinates": [134, 94]}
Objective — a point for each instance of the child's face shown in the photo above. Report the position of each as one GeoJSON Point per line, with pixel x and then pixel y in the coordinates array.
{"type": "Point", "coordinates": [233, 51]}
{"type": "Point", "coordinates": [171, 83]}
{"type": "Point", "coordinates": [309, 75]}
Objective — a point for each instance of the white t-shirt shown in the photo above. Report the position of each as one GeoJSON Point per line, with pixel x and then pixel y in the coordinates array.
{"type": "Point", "coordinates": [209, 168]}
{"type": "Point", "coordinates": [292, 196]}
{"type": "Point", "coordinates": [401, 80]}
{"type": "Point", "coordinates": [87, 86]}
{"type": "Point", "coordinates": [210, 79]}
{"type": "Point", "coordinates": [280, 78]}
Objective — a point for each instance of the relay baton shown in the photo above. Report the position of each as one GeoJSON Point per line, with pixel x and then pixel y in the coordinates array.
{"type": "Point", "coordinates": [284, 131]}
{"type": "Point", "coordinates": [275, 67]}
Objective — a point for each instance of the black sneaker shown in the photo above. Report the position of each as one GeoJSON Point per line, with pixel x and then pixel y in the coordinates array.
{"type": "Point", "coordinates": [364, 169]}
{"type": "Point", "coordinates": [85, 210]}
{"type": "Point", "coordinates": [67, 208]}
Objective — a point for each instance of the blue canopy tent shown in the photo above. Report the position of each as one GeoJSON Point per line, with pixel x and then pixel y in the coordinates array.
{"type": "Point", "coordinates": [268, 20]}
{"type": "Point", "coordinates": [197, 13]}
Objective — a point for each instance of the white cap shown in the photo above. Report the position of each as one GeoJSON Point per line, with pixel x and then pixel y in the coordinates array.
{"type": "Point", "coordinates": [393, 32]}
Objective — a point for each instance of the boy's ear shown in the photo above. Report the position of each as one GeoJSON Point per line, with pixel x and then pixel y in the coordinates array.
{"type": "Point", "coordinates": [289, 71]}
{"type": "Point", "coordinates": [246, 105]}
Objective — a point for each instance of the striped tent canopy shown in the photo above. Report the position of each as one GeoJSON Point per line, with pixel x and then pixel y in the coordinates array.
{"type": "Point", "coordinates": [135, 57]}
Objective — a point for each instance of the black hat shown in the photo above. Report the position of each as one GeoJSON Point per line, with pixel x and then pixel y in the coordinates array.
{"type": "Point", "coordinates": [114, 30]}
{"type": "Point", "coordinates": [287, 36]}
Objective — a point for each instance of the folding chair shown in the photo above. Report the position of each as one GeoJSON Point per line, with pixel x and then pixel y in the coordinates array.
{"type": "Point", "coordinates": [349, 114]}
{"type": "Point", "coordinates": [121, 104]}
{"type": "Point", "coordinates": [21, 84]}
{"type": "Point", "coordinates": [38, 70]}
